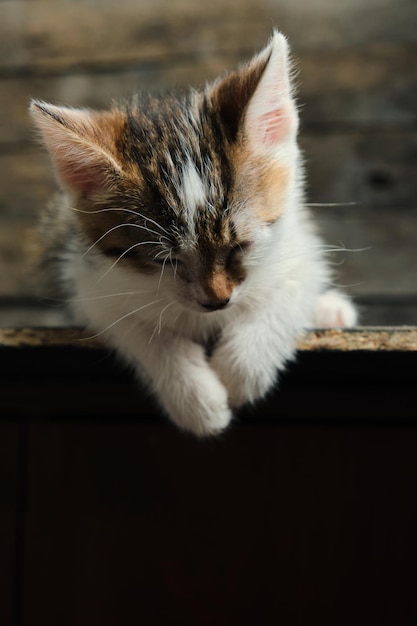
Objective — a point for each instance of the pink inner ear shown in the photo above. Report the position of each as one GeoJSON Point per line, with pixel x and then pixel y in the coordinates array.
{"type": "Point", "coordinates": [273, 126]}
{"type": "Point", "coordinates": [82, 177]}
{"type": "Point", "coordinates": [77, 169]}
{"type": "Point", "coordinates": [80, 143]}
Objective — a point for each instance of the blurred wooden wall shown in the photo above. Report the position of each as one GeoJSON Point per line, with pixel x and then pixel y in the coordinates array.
{"type": "Point", "coordinates": [357, 87]}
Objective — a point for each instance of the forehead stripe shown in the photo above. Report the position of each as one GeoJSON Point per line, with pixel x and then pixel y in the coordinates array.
{"type": "Point", "coordinates": [193, 191]}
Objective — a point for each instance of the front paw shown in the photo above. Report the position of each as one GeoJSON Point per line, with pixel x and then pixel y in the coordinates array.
{"type": "Point", "coordinates": [194, 398]}
{"type": "Point", "coordinates": [245, 380]}
{"type": "Point", "coordinates": [334, 310]}
{"type": "Point", "coordinates": [202, 414]}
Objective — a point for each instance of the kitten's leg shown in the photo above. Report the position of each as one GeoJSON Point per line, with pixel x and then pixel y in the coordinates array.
{"type": "Point", "coordinates": [253, 351]}
{"type": "Point", "coordinates": [334, 310]}
{"type": "Point", "coordinates": [249, 355]}
{"type": "Point", "coordinates": [184, 383]}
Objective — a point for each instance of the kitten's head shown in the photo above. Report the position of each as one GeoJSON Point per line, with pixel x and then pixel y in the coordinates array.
{"type": "Point", "coordinates": [192, 183]}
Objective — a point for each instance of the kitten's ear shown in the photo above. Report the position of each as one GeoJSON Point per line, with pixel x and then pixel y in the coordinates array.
{"type": "Point", "coordinates": [257, 101]}
{"type": "Point", "coordinates": [81, 144]}
{"type": "Point", "coordinates": [271, 116]}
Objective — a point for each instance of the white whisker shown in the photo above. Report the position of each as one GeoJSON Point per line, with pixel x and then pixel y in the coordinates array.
{"type": "Point", "coordinates": [330, 204]}
{"type": "Point", "coordinates": [326, 248]}
{"type": "Point", "coordinates": [124, 225]}
{"type": "Point", "coordinates": [120, 319]}
{"type": "Point", "coordinates": [135, 245]}
{"type": "Point", "coordinates": [108, 295]}
{"type": "Point", "coordinates": [158, 326]}
{"type": "Point", "coordinates": [347, 286]}
{"type": "Point", "coordinates": [160, 276]}
{"type": "Point", "coordinates": [158, 253]}
{"type": "Point", "coordinates": [176, 265]}
{"type": "Point", "coordinates": [124, 210]}
{"type": "Point", "coordinates": [90, 298]}
{"type": "Point", "coordinates": [280, 265]}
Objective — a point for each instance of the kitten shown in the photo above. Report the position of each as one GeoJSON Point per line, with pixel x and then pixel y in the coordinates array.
{"type": "Point", "coordinates": [183, 225]}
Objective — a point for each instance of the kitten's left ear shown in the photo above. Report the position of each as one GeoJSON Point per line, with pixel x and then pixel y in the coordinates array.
{"type": "Point", "coordinates": [256, 102]}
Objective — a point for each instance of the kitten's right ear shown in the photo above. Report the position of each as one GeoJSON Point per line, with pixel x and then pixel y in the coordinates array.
{"type": "Point", "coordinates": [81, 144]}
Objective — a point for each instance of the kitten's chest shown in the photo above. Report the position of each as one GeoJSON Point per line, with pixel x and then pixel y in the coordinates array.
{"type": "Point", "coordinates": [205, 329]}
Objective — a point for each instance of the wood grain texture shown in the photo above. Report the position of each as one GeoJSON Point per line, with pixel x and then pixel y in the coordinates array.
{"type": "Point", "coordinates": [359, 339]}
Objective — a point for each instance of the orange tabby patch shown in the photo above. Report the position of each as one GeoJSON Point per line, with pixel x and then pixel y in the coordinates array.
{"type": "Point", "coordinates": [273, 185]}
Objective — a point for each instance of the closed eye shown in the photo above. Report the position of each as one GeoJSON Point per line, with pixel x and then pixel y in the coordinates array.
{"type": "Point", "coordinates": [167, 259]}
{"type": "Point", "coordinates": [159, 261]}
{"type": "Point", "coordinates": [241, 247]}
{"type": "Point", "coordinates": [237, 252]}
{"type": "Point", "coordinates": [121, 252]}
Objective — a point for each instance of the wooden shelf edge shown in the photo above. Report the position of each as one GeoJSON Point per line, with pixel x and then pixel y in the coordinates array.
{"type": "Point", "coordinates": [369, 339]}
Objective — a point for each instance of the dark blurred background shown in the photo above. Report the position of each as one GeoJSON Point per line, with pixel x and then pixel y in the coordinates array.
{"type": "Point", "coordinates": [357, 87]}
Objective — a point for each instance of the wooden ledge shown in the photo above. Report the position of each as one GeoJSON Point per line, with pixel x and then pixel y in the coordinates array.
{"type": "Point", "coordinates": [400, 339]}
{"type": "Point", "coordinates": [369, 339]}
{"type": "Point", "coordinates": [358, 376]}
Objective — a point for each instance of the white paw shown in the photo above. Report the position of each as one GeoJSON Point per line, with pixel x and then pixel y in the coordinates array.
{"type": "Point", "coordinates": [334, 310]}
{"type": "Point", "coordinates": [202, 414]}
{"type": "Point", "coordinates": [245, 380]}
{"type": "Point", "coordinates": [195, 399]}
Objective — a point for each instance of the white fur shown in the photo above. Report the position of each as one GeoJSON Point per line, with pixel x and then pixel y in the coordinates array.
{"type": "Point", "coordinates": [163, 337]}
{"type": "Point", "coordinates": [156, 321]}
{"type": "Point", "coordinates": [334, 309]}
{"type": "Point", "coordinates": [193, 191]}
